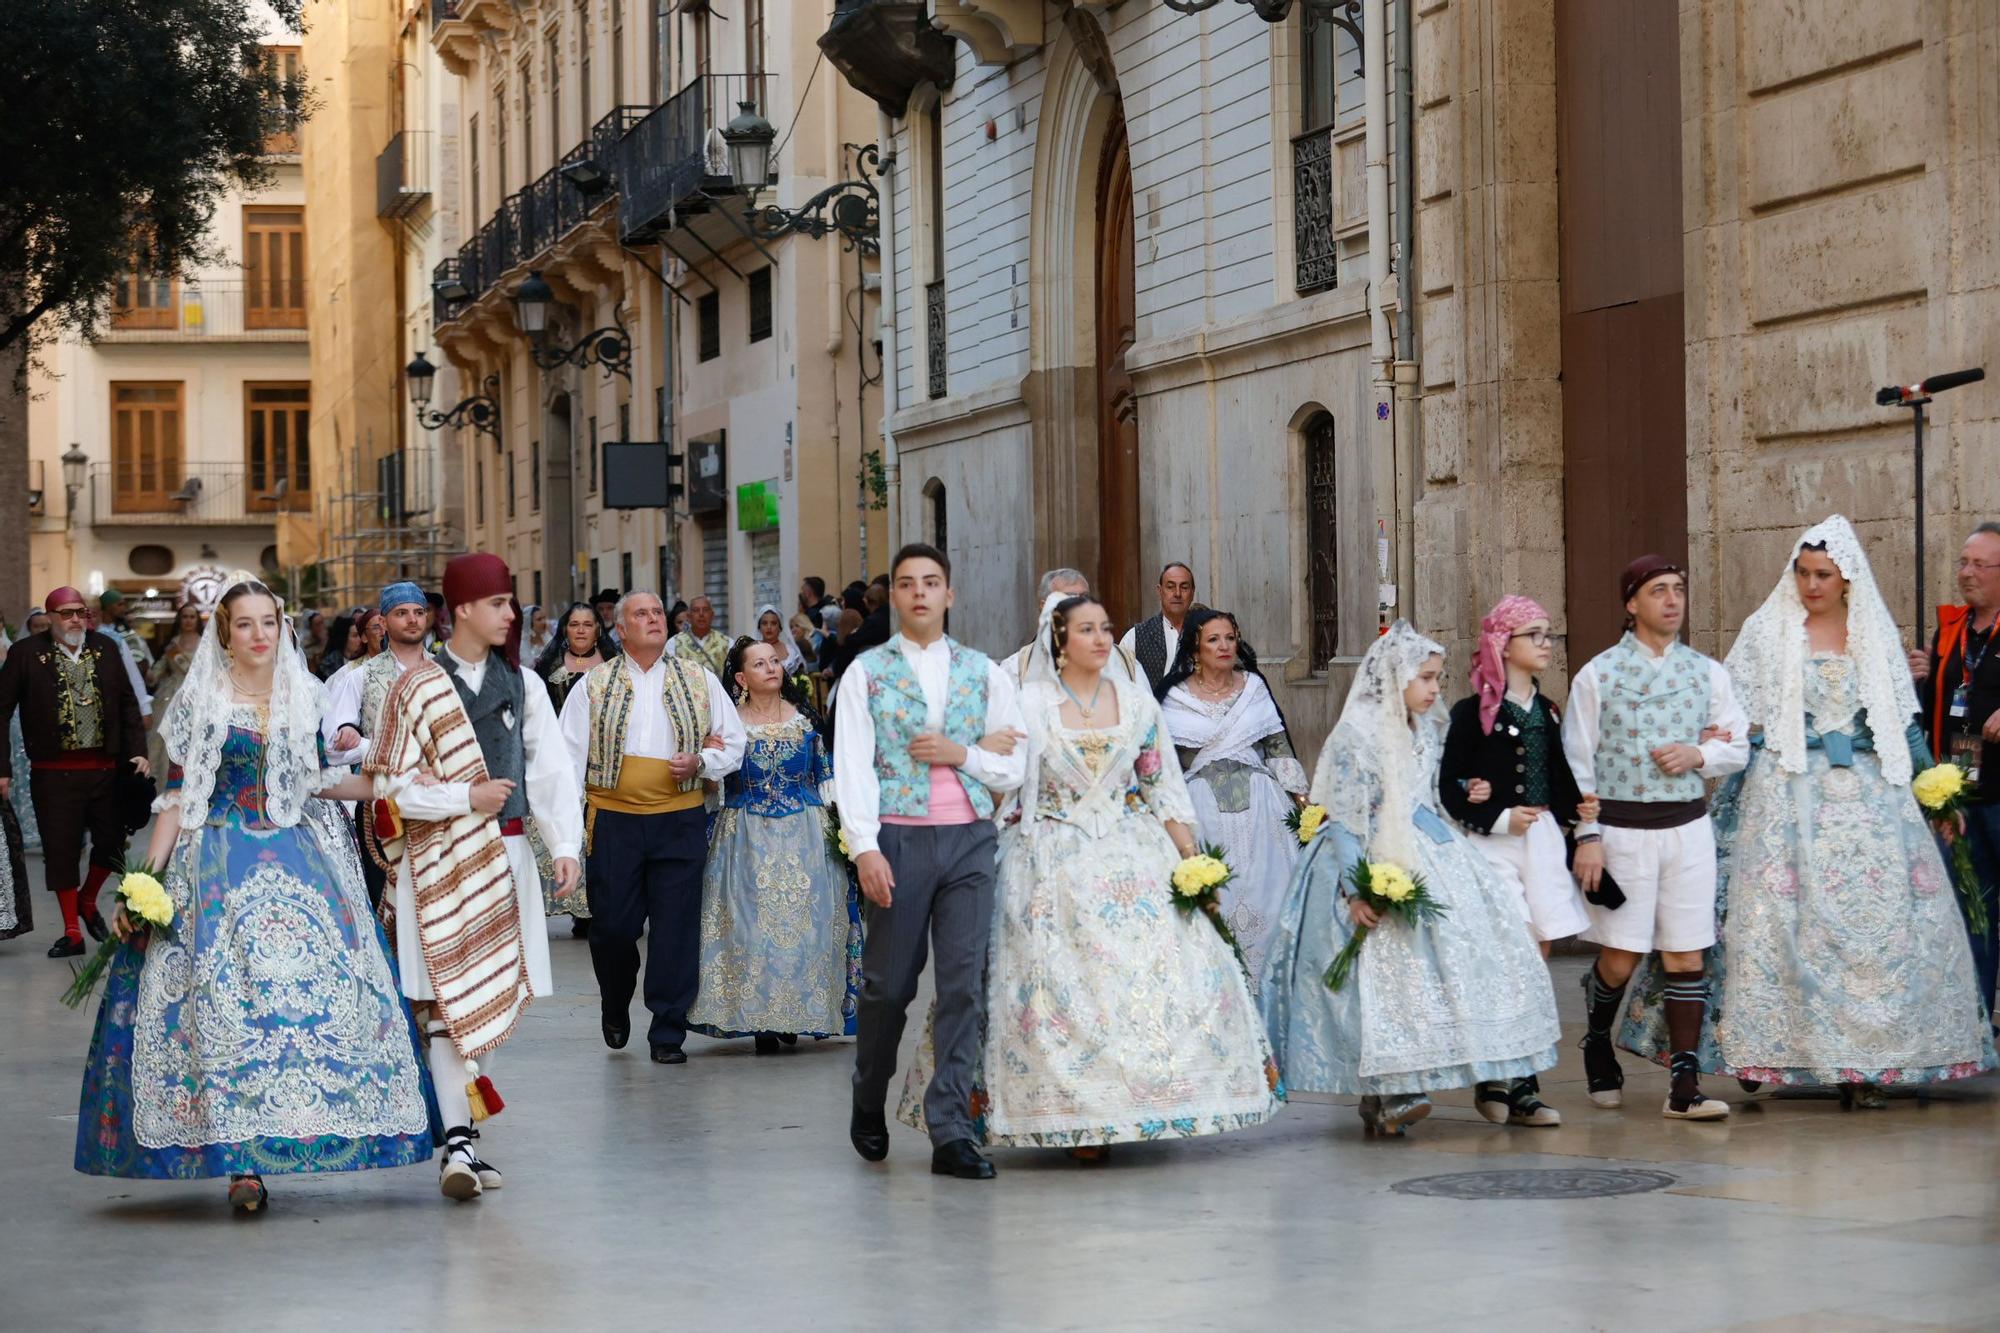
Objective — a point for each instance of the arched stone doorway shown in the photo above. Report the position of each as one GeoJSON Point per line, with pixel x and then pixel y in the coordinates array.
{"type": "Point", "coordinates": [1082, 282]}
{"type": "Point", "coordinates": [1118, 580]}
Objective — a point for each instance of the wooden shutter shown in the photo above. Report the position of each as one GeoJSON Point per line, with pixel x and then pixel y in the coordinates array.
{"type": "Point", "coordinates": [275, 418]}
{"type": "Point", "coordinates": [274, 268]}
{"type": "Point", "coordinates": [143, 302]}
{"type": "Point", "coordinates": [146, 423]}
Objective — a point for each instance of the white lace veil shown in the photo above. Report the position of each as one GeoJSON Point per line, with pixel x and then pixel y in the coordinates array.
{"type": "Point", "coordinates": [198, 722]}
{"type": "Point", "coordinates": [1768, 660]}
{"type": "Point", "coordinates": [1374, 728]}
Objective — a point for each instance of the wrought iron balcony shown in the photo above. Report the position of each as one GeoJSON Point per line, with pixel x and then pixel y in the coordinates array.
{"type": "Point", "coordinates": [532, 220]}
{"type": "Point", "coordinates": [676, 153]}
{"type": "Point", "coordinates": [403, 174]}
{"type": "Point", "coordinates": [885, 48]}
{"type": "Point", "coordinates": [1317, 253]}
{"type": "Point", "coordinates": [167, 491]}
{"type": "Point", "coordinates": [934, 346]}
{"type": "Point", "coordinates": [255, 309]}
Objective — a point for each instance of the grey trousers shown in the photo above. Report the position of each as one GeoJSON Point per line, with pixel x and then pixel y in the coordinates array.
{"type": "Point", "coordinates": [943, 901]}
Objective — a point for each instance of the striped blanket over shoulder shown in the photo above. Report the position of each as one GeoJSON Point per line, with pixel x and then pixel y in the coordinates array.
{"type": "Point", "coordinates": [468, 914]}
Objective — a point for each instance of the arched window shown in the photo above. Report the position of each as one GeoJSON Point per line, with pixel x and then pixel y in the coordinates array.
{"type": "Point", "coordinates": [936, 527]}
{"type": "Point", "coordinates": [1322, 540]}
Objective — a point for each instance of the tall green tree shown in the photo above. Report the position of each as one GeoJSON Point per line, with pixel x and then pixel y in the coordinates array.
{"type": "Point", "coordinates": [122, 124]}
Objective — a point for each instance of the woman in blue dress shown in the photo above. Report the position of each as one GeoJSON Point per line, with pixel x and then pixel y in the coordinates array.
{"type": "Point", "coordinates": [1455, 1000]}
{"type": "Point", "coordinates": [264, 1031]}
{"type": "Point", "coordinates": [1839, 957]}
{"type": "Point", "coordinates": [780, 919]}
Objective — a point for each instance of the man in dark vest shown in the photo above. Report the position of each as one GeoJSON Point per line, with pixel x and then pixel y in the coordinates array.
{"type": "Point", "coordinates": [1155, 641]}
{"type": "Point", "coordinates": [462, 961]}
{"type": "Point", "coordinates": [79, 721]}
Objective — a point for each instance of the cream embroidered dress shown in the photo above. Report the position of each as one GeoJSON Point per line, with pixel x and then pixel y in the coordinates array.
{"type": "Point", "coordinates": [1110, 1015]}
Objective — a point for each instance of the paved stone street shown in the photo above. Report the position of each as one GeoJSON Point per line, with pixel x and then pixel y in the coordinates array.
{"type": "Point", "coordinates": [723, 1194]}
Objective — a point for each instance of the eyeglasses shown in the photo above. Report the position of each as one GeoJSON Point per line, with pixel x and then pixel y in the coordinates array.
{"type": "Point", "coordinates": [1541, 638]}
{"type": "Point", "coordinates": [1983, 566]}
{"type": "Point", "coordinates": [71, 613]}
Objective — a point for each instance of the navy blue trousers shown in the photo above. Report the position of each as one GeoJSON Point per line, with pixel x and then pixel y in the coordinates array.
{"type": "Point", "coordinates": [644, 878]}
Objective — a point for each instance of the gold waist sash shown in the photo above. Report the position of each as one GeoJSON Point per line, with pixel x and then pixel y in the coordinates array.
{"type": "Point", "coordinates": [645, 787]}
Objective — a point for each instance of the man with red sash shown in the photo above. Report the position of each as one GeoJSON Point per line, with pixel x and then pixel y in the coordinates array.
{"type": "Point", "coordinates": [465, 743]}
{"type": "Point", "coordinates": [79, 721]}
{"type": "Point", "coordinates": [1958, 685]}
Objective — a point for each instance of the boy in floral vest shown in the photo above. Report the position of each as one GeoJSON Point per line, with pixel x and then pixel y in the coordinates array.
{"type": "Point", "coordinates": [1637, 715]}
{"type": "Point", "coordinates": [916, 785]}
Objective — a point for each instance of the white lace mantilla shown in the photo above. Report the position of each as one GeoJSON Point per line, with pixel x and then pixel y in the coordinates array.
{"type": "Point", "coordinates": [1767, 663]}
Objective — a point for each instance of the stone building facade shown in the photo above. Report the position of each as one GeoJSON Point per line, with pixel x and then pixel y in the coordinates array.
{"type": "Point", "coordinates": [1659, 258]}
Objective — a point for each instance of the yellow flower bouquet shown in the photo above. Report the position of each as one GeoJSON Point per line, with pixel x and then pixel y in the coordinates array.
{"type": "Point", "coordinates": [1393, 892]}
{"type": "Point", "coordinates": [1305, 822]}
{"type": "Point", "coordinates": [836, 838]}
{"type": "Point", "coordinates": [146, 902]}
{"type": "Point", "coordinates": [1197, 885]}
{"type": "Point", "coordinates": [1943, 790]}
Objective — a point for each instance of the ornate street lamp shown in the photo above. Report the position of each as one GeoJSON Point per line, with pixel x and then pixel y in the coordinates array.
{"type": "Point", "coordinates": [610, 346]}
{"type": "Point", "coordinates": [851, 208]}
{"type": "Point", "coordinates": [74, 463]}
{"type": "Point", "coordinates": [1272, 11]}
{"type": "Point", "coordinates": [481, 411]}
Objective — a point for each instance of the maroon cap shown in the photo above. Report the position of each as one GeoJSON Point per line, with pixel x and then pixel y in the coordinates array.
{"type": "Point", "coordinates": [1643, 571]}
{"type": "Point", "coordinates": [468, 578]}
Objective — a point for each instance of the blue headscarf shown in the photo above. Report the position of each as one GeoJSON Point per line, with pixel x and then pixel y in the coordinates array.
{"type": "Point", "coordinates": [401, 594]}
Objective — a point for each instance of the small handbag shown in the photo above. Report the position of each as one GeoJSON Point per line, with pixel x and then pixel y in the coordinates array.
{"type": "Point", "coordinates": [1607, 895]}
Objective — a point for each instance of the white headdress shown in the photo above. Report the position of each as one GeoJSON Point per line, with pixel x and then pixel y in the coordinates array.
{"type": "Point", "coordinates": [1037, 663]}
{"type": "Point", "coordinates": [1767, 662]}
{"type": "Point", "coordinates": [794, 661]}
{"type": "Point", "coordinates": [199, 718]}
{"type": "Point", "coordinates": [1375, 727]}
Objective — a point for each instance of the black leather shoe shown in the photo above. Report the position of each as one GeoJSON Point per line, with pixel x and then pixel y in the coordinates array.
{"type": "Point", "coordinates": [869, 1132]}
{"type": "Point", "coordinates": [767, 1043]}
{"type": "Point", "coordinates": [617, 1034]}
{"type": "Point", "coordinates": [94, 923]}
{"type": "Point", "coordinates": [668, 1055]}
{"type": "Point", "coordinates": [65, 947]}
{"type": "Point", "coordinates": [579, 928]}
{"type": "Point", "coordinates": [961, 1159]}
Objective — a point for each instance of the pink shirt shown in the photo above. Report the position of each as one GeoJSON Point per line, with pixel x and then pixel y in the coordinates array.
{"type": "Point", "coordinates": [948, 804]}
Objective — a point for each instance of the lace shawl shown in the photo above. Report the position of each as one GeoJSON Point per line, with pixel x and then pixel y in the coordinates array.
{"type": "Point", "coordinates": [198, 723]}
{"type": "Point", "coordinates": [1375, 731]}
{"type": "Point", "coordinates": [1768, 660]}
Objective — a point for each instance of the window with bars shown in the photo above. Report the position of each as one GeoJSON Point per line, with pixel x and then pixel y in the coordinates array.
{"type": "Point", "coordinates": [275, 443]}
{"type": "Point", "coordinates": [526, 71]}
{"type": "Point", "coordinates": [753, 38]}
{"type": "Point", "coordinates": [583, 107]}
{"type": "Point", "coordinates": [708, 324]}
{"type": "Point", "coordinates": [617, 52]}
{"type": "Point", "coordinates": [500, 140]}
{"type": "Point", "coordinates": [274, 268]}
{"type": "Point", "coordinates": [1322, 540]}
{"type": "Point", "coordinates": [552, 53]}
{"type": "Point", "coordinates": [760, 304]}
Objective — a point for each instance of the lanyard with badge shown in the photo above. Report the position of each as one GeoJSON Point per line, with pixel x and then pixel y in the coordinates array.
{"type": "Point", "coordinates": [1965, 741]}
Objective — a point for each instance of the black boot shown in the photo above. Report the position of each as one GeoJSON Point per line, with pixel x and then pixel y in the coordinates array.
{"type": "Point", "coordinates": [868, 1131]}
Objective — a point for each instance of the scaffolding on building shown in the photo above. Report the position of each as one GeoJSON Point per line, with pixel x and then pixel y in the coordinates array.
{"type": "Point", "coordinates": [385, 527]}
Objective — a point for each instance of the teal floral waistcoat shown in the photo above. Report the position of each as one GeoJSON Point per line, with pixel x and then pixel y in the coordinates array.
{"type": "Point", "coordinates": [1640, 706]}
{"type": "Point", "coordinates": [896, 703]}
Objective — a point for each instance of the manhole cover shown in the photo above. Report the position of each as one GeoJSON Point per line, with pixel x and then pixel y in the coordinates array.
{"type": "Point", "coordinates": [1560, 1183]}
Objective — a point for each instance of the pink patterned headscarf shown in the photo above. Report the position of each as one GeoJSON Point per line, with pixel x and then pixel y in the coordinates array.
{"type": "Point", "coordinates": [1489, 656]}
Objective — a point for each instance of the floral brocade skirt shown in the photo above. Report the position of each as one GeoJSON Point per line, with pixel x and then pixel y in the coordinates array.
{"type": "Point", "coordinates": [267, 1035]}
{"type": "Point", "coordinates": [780, 930]}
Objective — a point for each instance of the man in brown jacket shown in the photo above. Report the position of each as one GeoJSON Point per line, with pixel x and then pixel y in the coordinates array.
{"type": "Point", "coordinates": [79, 721]}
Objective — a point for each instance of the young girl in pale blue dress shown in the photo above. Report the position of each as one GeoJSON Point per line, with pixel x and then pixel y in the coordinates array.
{"type": "Point", "coordinates": [1457, 999]}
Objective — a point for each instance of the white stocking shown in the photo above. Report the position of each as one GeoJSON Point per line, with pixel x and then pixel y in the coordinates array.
{"type": "Point", "coordinates": [448, 1073]}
